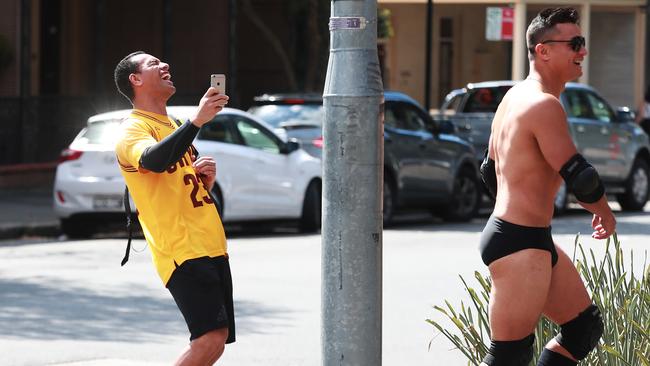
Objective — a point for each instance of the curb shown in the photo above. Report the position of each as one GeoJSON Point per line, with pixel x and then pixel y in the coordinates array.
{"type": "Point", "coordinates": [52, 229]}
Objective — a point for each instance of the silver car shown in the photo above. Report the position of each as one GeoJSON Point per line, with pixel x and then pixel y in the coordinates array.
{"type": "Point", "coordinates": [610, 140]}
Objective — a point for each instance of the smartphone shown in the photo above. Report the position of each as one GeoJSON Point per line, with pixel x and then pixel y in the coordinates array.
{"type": "Point", "coordinates": [218, 81]}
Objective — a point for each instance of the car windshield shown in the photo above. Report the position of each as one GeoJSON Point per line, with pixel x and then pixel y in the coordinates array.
{"type": "Point", "coordinates": [290, 115]}
{"type": "Point", "coordinates": [101, 132]}
{"type": "Point", "coordinates": [485, 100]}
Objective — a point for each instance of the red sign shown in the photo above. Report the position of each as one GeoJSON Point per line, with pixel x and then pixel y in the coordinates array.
{"type": "Point", "coordinates": [507, 20]}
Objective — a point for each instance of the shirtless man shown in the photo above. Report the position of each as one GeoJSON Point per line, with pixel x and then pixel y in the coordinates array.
{"type": "Point", "coordinates": [530, 152]}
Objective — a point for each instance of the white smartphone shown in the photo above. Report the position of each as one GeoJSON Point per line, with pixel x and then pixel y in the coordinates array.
{"type": "Point", "coordinates": [218, 81]}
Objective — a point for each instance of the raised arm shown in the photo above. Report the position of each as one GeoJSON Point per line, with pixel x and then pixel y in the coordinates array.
{"type": "Point", "coordinates": [160, 156]}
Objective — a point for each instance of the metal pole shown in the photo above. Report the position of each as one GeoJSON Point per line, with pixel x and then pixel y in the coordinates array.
{"type": "Point", "coordinates": [427, 58]}
{"type": "Point", "coordinates": [352, 189]}
{"type": "Point", "coordinates": [647, 50]}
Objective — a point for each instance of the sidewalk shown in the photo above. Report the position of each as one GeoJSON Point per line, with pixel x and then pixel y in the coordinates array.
{"type": "Point", "coordinates": [26, 201]}
{"type": "Point", "coordinates": [27, 212]}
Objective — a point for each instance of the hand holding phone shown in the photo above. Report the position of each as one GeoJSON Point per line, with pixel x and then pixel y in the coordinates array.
{"type": "Point", "coordinates": [211, 103]}
{"type": "Point", "coordinates": [218, 81]}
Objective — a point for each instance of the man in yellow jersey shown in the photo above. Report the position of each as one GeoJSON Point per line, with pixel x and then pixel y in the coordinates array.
{"type": "Point", "coordinates": [530, 153]}
{"type": "Point", "coordinates": [179, 219]}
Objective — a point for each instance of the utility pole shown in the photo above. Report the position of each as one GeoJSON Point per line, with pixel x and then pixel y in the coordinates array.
{"type": "Point", "coordinates": [427, 57]}
{"type": "Point", "coordinates": [352, 190]}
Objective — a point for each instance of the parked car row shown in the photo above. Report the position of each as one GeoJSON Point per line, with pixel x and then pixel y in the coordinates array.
{"type": "Point", "coordinates": [425, 165]}
{"type": "Point", "coordinates": [610, 140]}
{"type": "Point", "coordinates": [260, 176]}
{"type": "Point", "coordinates": [269, 158]}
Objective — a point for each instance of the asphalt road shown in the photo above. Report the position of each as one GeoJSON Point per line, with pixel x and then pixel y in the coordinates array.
{"type": "Point", "coordinates": [70, 303]}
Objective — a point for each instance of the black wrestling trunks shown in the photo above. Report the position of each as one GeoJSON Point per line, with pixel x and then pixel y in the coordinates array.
{"type": "Point", "coordinates": [501, 238]}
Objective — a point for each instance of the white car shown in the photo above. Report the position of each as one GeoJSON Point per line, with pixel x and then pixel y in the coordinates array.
{"type": "Point", "coordinates": [260, 176]}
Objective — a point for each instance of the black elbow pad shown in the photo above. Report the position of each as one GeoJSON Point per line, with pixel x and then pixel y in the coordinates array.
{"type": "Point", "coordinates": [582, 179]}
{"type": "Point", "coordinates": [489, 175]}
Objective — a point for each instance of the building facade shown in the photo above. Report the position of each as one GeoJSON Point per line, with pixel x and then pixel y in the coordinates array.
{"type": "Point", "coordinates": [460, 53]}
{"type": "Point", "coordinates": [57, 58]}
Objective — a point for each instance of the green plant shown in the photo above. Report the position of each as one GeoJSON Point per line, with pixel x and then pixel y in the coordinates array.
{"type": "Point", "coordinates": [623, 298]}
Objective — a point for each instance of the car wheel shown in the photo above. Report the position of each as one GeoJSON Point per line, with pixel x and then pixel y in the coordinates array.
{"type": "Point", "coordinates": [218, 198]}
{"type": "Point", "coordinates": [560, 202]}
{"type": "Point", "coordinates": [310, 221]}
{"type": "Point", "coordinates": [465, 198]}
{"type": "Point", "coordinates": [637, 187]}
{"type": "Point", "coordinates": [389, 203]}
{"type": "Point", "coordinates": [76, 228]}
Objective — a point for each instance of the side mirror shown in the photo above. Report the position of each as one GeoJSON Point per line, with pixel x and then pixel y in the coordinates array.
{"type": "Point", "coordinates": [625, 114]}
{"type": "Point", "coordinates": [290, 146]}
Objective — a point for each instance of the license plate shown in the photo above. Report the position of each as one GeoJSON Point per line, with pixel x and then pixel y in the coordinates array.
{"type": "Point", "coordinates": [107, 202]}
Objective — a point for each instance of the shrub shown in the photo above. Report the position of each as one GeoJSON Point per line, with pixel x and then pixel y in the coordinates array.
{"type": "Point", "coordinates": [623, 299]}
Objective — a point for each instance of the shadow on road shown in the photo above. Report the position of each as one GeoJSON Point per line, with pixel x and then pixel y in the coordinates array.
{"type": "Point", "coordinates": [65, 312]}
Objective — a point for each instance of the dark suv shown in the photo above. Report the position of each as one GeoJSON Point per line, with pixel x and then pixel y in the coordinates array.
{"type": "Point", "coordinates": [424, 165]}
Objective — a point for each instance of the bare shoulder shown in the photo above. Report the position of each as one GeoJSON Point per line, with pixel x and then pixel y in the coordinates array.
{"type": "Point", "coordinates": [544, 111]}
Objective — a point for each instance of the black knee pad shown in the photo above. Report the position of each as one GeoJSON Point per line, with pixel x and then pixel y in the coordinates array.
{"type": "Point", "coordinates": [510, 353]}
{"type": "Point", "coordinates": [580, 335]}
{"type": "Point", "coordinates": [550, 358]}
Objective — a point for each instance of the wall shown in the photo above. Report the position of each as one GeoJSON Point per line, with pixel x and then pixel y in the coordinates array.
{"type": "Point", "coordinates": [612, 56]}
{"type": "Point", "coordinates": [10, 29]}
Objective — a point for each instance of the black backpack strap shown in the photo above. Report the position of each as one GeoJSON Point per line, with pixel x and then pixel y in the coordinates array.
{"type": "Point", "coordinates": [129, 225]}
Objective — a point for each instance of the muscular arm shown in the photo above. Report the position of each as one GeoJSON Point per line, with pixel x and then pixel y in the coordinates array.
{"type": "Point", "coordinates": [157, 158]}
{"type": "Point", "coordinates": [551, 130]}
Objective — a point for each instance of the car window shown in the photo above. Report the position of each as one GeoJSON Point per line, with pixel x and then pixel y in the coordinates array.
{"type": "Point", "coordinates": [403, 116]}
{"type": "Point", "coordinates": [217, 130]}
{"type": "Point", "coordinates": [256, 137]}
{"type": "Point", "coordinates": [413, 121]}
{"type": "Point", "coordinates": [453, 104]}
{"type": "Point", "coordinates": [577, 104]}
{"type": "Point", "coordinates": [600, 109]}
{"type": "Point", "coordinates": [485, 100]}
{"type": "Point", "coordinates": [390, 119]}
{"type": "Point", "coordinates": [101, 132]}
{"type": "Point", "coordinates": [289, 114]}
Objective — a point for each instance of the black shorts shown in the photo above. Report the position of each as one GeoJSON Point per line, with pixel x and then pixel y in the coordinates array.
{"type": "Point", "coordinates": [202, 289]}
{"type": "Point", "coordinates": [501, 238]}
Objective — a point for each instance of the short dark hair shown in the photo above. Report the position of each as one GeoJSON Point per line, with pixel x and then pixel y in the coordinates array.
{"type": "Point", "coordinates": [124, 68]}
{"type": "Point", "coordinates": [544, 24]}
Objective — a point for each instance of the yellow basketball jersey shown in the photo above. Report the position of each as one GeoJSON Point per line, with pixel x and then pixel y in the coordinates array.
{"type": "Point", "coordinates": [179, 219]}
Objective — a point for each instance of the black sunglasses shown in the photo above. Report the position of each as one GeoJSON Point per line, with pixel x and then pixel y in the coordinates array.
{"type": "Point", "coordinates": [576, 43]}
